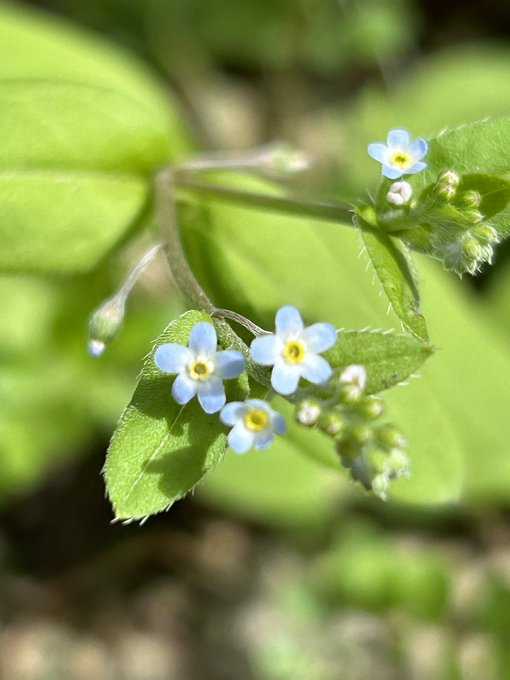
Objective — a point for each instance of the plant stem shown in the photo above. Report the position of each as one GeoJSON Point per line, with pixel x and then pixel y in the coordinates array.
{"type": "Point", "coordinates": [322, 210]}
{"type": "Point", "coordinates": [188, 285]}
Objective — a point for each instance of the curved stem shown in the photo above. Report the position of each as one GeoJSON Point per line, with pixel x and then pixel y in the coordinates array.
{"type": "Point", "coordinates": [188, 285]}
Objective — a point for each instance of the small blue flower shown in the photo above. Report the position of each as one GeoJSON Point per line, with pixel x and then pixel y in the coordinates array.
{"type": "Point", "coordinates": [399, 156]}
{"type": "Point", "coordinates": [254, 423]}
{"type": "Point", "coordinates": [200, 369]}
{"type": "Point", "coordinates": [294, 351]}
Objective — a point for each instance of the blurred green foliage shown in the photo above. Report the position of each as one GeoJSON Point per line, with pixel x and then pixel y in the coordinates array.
{"type": "Point", "coordinates": [346, 73]}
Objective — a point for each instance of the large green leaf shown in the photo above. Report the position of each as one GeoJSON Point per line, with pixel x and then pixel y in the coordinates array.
{"type": "Point", "coordinates": [160, 449]}
{"type": "Point", "coordinates": [387, 357]}
{"type": "Point", "coordinates": [83, 128]}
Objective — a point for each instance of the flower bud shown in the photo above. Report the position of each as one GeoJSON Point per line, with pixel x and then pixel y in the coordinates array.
{"type": "Point", "coordinates": [399, 193]}
{"type": "Point", "coordinates": [469, 199]}
{"type": "Point", "coordinates": [472, 216]}
{"type": "Point", "coordinates": [485, 234]}
{"type": "Point", "coordinates": [104, 324]}
{"type": "Point", "coordinates": [360, 433]}
{"type": "Point", "coordinates": [397, 464]}
{"type": "Point", "coordinates": [446, 185]}
{"type": "Point", "coordinates": [352, 380]}
{"type": "Point", "coordinates": [332, 424]}
{"type": "Point", "coordinates": [390, 437]}
{"type": "Point", "coordinates": [371, 408]}
{"type": "Point", "coordinates": [307, 412]}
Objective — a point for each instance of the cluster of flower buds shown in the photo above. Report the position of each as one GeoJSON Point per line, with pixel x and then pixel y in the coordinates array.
{"type": "Point", "coordinates": [372, 452]}
{"type": "Point", "coordinates": [461, 238]}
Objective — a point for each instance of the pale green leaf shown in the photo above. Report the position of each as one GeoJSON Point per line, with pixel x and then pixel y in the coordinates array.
{"type": "Point", "coordinates": [161, 450]}
{"type": "Point", "coordinates": [83, 130]}
{"type": "Point", "coordinates": [388, 358]}
{"type": "Point", "coordinates": [392, 264]}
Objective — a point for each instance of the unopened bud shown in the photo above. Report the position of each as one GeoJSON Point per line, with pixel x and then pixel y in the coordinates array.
{"type": "Point", "coordinates": [307, 412]}
{"type": "Point", "coordinates": [390, 437]}
{"type": "Point", "coordinates": [332, 424]}
{"type": "Point", "coordinates": [360, 433]}
{"type": "Point", "coordinates": [397, 464]}
{"type": "Point", "coordinates": [104, 324]}
{"type": "Point", "coordinates": [446, 185]}
{"type": "Point", "coordinates": [352, 380]}
{"type": "Point", "coordinates": [472, 216]}
{"type": "Point", "coordinates": [484, 233]}
{"type": "Point", "coordinates": [371, 408]}
{"type": "Point", "coordinates": [399, 193]}
{"type": "Point", "coordinates": [469, 199]}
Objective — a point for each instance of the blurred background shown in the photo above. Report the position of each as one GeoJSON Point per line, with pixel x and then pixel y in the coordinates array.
{"type": "Point", "coordinates": [249, 578]}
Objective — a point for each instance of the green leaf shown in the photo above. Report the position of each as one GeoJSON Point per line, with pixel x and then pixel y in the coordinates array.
{"type": "Point", "coordinates": [83, 129]}
{"type": "Point", "coordinates": [160, 449]}
{"type": "Point", "coordinates": [481, 147]}
{"type": "Point", "coordinates": [388, 358]}
{"type": "Point", "coordinates": [392, 264]}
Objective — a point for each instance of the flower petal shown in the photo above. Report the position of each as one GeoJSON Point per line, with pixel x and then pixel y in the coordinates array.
{"type": "Point", "coordinates": [211, 394]}
{"type": "Point", "coordinates": [184, 388]}
{"type": "Point", "coordinates": [391, 172]}
{"type": "Point", "coordinates": [319, 337]}
{"type": "Point", "coordinates": [231, 413]}
{"type": "Point", "coordinates": [265, 349]}
{"type": "Point", "coordinates": [278, 423]}
{"type": "Point", "coordinates": [202, 339]}
{"type": "Point", "coordinates": [285, 377]}
{"type": "Point", "coordinates": [172, 357]}
{"type": "Point", "coordinates": [417, 167]}
{"type": "Point", "coordinates": [263, 439]}
{"type": "Point", "coordinates": [419, 148]}
{"type": "Point", "coordinates": [240, 439]}
{"type": "Point", "coordinates": [315, 369]}
{"type": "Point", "coordinates": [398, 139]}
{"type": "Point", "coordinates": [288, 321]}
{"type": "Point", "coordinates": [378, 151]}
{"type": "Point", "coordinates": [229, 363]}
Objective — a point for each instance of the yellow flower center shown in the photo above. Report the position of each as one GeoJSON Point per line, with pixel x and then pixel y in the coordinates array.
{"type": "Point", "coordinates": [400, 159]}
{"type": "Point", "coordinates": [200, 369]}
{"type": "Point", "coordinates": [294, 351]}
{"type": "Point", "coordinates": [256, 419]}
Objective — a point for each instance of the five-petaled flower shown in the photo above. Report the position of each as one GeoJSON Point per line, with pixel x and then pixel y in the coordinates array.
{"type": "Point", "coordinates": [400, 156]}
{"type": "Point", "coordinates": [293, 351]}
{"type": "Point", "coordinates": [254, 423]}
{"type": "Point", "coordinates": [200, 369]}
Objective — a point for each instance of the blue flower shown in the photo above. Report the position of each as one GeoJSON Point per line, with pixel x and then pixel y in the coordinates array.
{"type": "Point", "coordinates": [200, 369]}
{"type": "Point", "coordinates": [254, 423]}
{"type": "Point", "coordinates": [294, 351]}
{"type": "Point", "coordinates": [399, 156]}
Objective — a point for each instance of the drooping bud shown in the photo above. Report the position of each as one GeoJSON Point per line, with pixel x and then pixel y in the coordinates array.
{"type": "Point", "coordinates": [308, 412]}
{"type": "Point", "coordinates": [485, 234]}
{"type": "Point", "coordinates": [105, 323]}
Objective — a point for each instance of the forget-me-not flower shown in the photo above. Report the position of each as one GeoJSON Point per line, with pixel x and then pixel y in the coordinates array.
{"type": "Point", "coordinates": [200, 369]}
{"type": "Point", "coordinates": [293, 351]}
{"type": "Point", "coordinates": [399, 156]}
{"type": "Point", "coordinates": [254, 423]}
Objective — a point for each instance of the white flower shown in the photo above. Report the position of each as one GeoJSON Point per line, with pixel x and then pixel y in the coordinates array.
{"type": "Point", "coordinates": [294, 351]}
{"type": "Point", "coordinates": [399, 193]}
{"type": "Point", "coordinates": [200, 369]}
{"type": "Point", "coordinates": [254, 423]}
{"type": "Point", "coordinates": [399, 156]}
